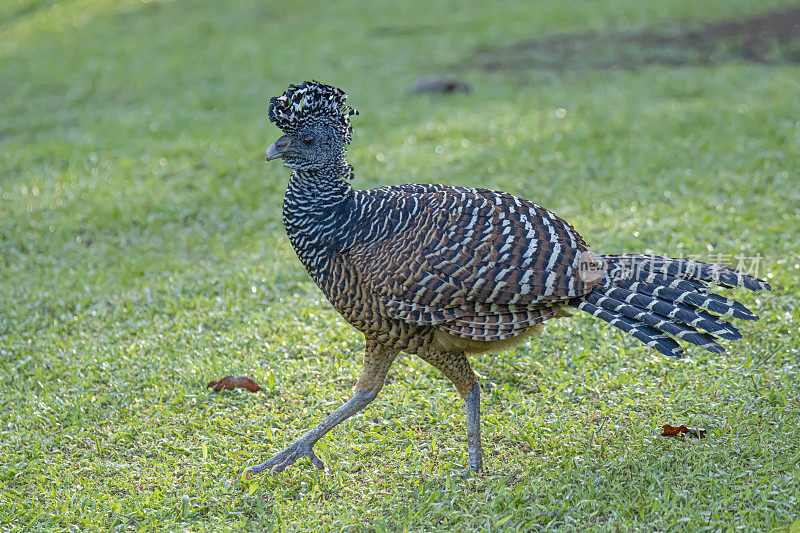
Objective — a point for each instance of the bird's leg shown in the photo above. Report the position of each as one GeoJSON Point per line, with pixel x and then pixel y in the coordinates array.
{"type": "Point", "coordinates": [456, 368]}
{"type": "Point", "coordinates": [304, 446]}
{"type": "Point", "coordinates": [472, 405]}
{"type": "Point", "coordinates": [376, 364]}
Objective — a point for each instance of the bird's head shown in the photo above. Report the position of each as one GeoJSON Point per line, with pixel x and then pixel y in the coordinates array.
{"type": "Point", "coordinates": [316, 126]}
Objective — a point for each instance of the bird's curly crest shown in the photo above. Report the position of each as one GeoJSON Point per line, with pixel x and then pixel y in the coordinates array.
{"type": "Point", "coordinates": [311, 101]}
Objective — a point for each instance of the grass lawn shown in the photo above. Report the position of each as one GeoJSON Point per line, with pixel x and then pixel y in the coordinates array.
{"type": "Point", "coordinates": [142, 255]}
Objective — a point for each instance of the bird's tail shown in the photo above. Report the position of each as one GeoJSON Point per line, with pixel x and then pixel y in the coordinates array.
{"type": "Point", "coordinates": [659, 299]}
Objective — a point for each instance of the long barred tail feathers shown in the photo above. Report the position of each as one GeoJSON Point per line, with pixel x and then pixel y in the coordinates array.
{"type": "Point", "coordinates": [659, 299]}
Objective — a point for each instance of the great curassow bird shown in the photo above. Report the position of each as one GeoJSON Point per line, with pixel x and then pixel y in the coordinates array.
{"type": "Point", "coordinates": [443, 272]}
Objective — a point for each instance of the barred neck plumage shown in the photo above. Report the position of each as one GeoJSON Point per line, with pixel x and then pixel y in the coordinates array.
{"type": "Point", "coordinates": [317, 215]}
{"type": "Point", "coordinates": [324, 215]}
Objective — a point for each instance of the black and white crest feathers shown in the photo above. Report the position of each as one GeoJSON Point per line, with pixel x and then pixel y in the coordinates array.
{"type": "Point", "coordinates": [310, 102]}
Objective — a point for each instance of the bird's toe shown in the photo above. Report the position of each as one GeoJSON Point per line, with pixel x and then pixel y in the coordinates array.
{"type": "Point", "coordinates": [316, 461]}
{"type": "Point", "coordinates": [280, 461]}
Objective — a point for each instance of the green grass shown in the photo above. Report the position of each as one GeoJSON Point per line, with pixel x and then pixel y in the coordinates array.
{"type": "Point", "coordinates": [142, 255]}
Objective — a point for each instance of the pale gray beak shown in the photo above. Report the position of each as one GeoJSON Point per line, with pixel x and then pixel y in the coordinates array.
{"type": "Point", "coordinates": [278, 148]}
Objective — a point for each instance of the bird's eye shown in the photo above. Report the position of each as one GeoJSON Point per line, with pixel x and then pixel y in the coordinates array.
{"type": "Point", "coordinates": [308, 140]}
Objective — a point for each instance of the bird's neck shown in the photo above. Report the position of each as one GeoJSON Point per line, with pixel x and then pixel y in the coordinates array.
{"type": "Point", "coordinates": [318, 214]}
{"type": "Point", "coordinates": [324, 215]}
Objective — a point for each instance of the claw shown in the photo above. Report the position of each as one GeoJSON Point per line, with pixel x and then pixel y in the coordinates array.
{"type": "Point", "coordinates": [280, 461]}
{"type": "Point", "coordinates": [316, 461]}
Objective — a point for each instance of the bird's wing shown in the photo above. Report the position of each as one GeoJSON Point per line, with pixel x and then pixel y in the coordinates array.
{"type": "Point", "coordinates": [481, 264]}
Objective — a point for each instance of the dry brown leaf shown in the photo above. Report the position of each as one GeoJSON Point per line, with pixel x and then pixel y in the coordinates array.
{"type": "Point", "coordinates": [674, 431]}
{"type": "Point", "coordinates": [231, 382]}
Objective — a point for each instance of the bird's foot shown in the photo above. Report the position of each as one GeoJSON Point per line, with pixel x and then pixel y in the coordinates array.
{"type": "Point", "coordinates": [466, 473]}
{"type": "Point", "coordinates": [279, 461]}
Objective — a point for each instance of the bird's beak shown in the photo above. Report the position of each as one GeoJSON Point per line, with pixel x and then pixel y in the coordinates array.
{"type": "Point", "coordinates": [278, 148]}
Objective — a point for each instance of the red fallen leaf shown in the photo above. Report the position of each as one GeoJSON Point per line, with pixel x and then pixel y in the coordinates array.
{"type": "Point", "coordinates": [674, 431]}
{"type": "Point", "coordinates": [231, 382]}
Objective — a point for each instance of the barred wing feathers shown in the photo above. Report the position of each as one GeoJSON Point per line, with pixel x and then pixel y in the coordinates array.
{"type": "Point", "coordinates": [480, 264]}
